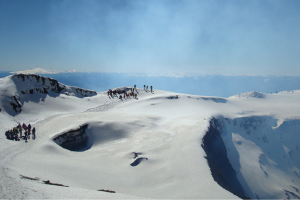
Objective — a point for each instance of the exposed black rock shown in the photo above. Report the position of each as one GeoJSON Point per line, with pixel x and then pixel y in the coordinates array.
{"type": "Point", "coordinates": [136, 154]}
{"type": "Point", "coordinates": [49, 84]}
{"type": "Point", "coordinates": [15, 103]}
{"type": "Point", "coordinates": [39, 85]}
{"type": "Point", "coordinates": [110, 191]}
{"type": "Point", "coordinates": [173, 97]}
{"type": "Point", "coordinates": [57, 184]}
{"type": "Point", "coordinates": [138, 161]}
{"type": "Point", "coordinates": [215, 99]}
{"type": "Point", "coordinates": [217, 159]}
{"type": "Point", "coordinates": [291, 195]}
{"type": "Point", "coordinates": [29, 178]}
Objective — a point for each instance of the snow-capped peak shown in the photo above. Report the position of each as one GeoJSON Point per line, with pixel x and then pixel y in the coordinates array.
{"type": "Point", "coordinates": [39, 70]}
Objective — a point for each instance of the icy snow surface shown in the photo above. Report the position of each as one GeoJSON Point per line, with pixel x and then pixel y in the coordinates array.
{"type": "Point", "coordinates": [149, 147]}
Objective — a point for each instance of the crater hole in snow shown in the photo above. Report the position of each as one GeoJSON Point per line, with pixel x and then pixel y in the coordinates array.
{"type": "Point", "coordinates": [74, 140]}
{"type": "Point", "coordinates": [246, 150]}
{"type": "Point", "coordinates": [217, 159]}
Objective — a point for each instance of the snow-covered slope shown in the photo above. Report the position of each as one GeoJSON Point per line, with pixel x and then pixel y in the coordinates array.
{"type": "Point", "coordinates": [20, 88]}
{"type": "Point", "coordinates": [253, 94]}
{"type": "Point", "coordinates": [160, 145]}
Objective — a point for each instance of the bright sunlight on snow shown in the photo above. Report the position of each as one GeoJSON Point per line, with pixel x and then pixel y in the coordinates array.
{"type": "Point", "coordinates": [147, 144]}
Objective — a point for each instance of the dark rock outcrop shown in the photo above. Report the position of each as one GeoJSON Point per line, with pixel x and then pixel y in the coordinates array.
{"type": "Point", "coordinates": [138, 161]}
{"type": "Point", "coordinates": [32, 84]}
{"type": "Point", "coordinates": [15, 103]}
{"type": "Point", "coordinates": [48, 84]}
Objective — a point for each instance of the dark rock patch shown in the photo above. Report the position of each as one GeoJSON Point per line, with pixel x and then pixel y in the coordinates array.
{"type": "Point", "coordinates": [138, 161]}
{"type": "Point", "coordinates": [29, 178]}
{"type": "Point", "coordinates": [136, 154]}
{"type": "Point", "coordinates": [57, 184]}
{"type": "Point", "coordinates": [291, 195]}
{"type": "Point", "coordinates": [297, 190]}
{"type": "Point", "coordinates": [15, 103]}
{"type": "Point", "coordinates": [173, 97]}
{"type": "Point", "coordinates": [215, 99]}
{"type": "Point", "coordinates": [110, 191]}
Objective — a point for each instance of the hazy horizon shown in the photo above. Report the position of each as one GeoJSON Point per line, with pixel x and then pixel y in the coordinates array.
{"type": "Point", "coordinates": [208, 85]}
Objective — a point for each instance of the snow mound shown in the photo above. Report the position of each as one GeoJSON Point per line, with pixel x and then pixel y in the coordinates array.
{"type": "Point", "coordinates": [253, 94]}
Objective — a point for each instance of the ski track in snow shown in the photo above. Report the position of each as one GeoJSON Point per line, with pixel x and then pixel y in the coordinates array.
{"type": "Point", "coordinates": [106, 106]}
{"type": "Point", "coordinates": [10, 186]}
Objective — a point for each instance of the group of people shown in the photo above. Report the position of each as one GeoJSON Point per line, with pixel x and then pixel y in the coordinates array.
{"type": "Point", "coordinates": [122, 93]}
{"type": "Point", "coordinates": [146, 87]}
{"type": "Point", "coordinates": [17, 132]}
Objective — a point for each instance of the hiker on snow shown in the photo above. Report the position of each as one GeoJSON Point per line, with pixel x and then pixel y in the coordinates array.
{"type": "Point", "coordinates": [24, 126]}
{"type": "Point", "coordinates": [25, 135]}
{"type": "Point", "coordinates": [20, 130]}
{"type": "Point", "coordinates": [33, 133]}
{"type": "Point", "coordinates": [29, 128]}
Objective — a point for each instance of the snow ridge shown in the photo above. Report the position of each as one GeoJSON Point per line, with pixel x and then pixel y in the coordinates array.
{"type": "Point", "coordinates": [253, 94]}
{"type": "Point", "coordinates": [24, 86]}
{"type": "Point", "coordinates": [33, 82]}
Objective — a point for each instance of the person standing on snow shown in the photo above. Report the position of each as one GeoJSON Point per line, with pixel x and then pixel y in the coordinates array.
{"type": "Point", "coordinates": [33, 133]}
{"type": "Point", "coordinates": [29, 128]}
{"type": "Point", "coordinates": [25, 135]}
{"type": "Point", "coordinates": [20, 130]}
{"type": "Point", "coordinates": [24, 126]}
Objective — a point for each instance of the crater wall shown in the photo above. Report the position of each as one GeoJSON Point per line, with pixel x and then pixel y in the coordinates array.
{"type": "Point", "coordinates": [256, 154]}
{"type": "Point", "coordinates": [73, 140]}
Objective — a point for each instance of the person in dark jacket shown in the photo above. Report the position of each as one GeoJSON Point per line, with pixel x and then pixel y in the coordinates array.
{"type": "Point", "coordinates": [29, 128]}
{"type": "Point", "coordinates": [25, 135]}
{"type": "Point", "coordinates": [33, 133]}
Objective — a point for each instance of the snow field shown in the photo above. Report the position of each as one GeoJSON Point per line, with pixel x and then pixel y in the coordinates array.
{"type": "Point", "coordinates": [167, 129]}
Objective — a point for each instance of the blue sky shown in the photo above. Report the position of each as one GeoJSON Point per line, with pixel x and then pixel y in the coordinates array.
{"type": "Point", "coordinates": [157, 36]}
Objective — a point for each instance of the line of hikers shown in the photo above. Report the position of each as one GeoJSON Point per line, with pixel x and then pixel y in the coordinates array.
{"type": "Point", "coordinates": [146, 87]}
{"type": "Point", "coordinates": [122, 93]}
{"type": "Point", "coordinates": [17, 133]}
